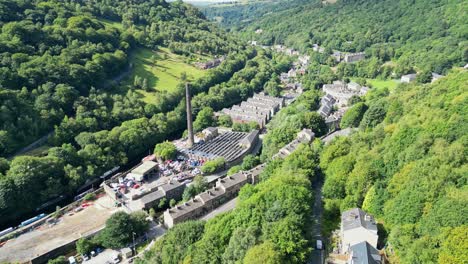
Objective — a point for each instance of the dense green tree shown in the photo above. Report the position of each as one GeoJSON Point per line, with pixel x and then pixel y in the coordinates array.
{"type": "Point", "coordinates": [234, 169]}
{"type": "Point", "coordinates": [199, 185]}
{"type": "Point", "coordinates": [314, 121]}
{"type": "Point", "coordinates": [165, 150]}
{"type": "Point", "coordinates": [454, 247]}
{"type": "Point", "coordinates": [374, 115]}
{"type": "Point", "coordinates": [353, 117]}
{"type": "Point", "coordinates": [241, 240]}
{"type": "Point", "coordinates": [205, 118]}
{"type": "Point", "coordinates": [120, 228]}
{"type": "Point", "coordinates": [85, 246]}
{"type": "Point", "coordinates": [272, 88]}
{"type": "Point", "coordinates": [262, 253]}
{"type": "Point", "coordinates": [225, 121]}
{"type": "Point", "coordinates": [424, 77]}
{"type": "Point", "coordinates": [176, 243]}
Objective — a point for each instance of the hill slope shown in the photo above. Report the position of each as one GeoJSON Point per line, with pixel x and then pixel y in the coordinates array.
{"type": "Point", "coordinates": [53, 52]}
{"type": "Point", "coordinates": [59, 60]}
{"type": "Point", "coordinates": [428, 34]}
{"type": "Point", "coordinates": [410, 170]}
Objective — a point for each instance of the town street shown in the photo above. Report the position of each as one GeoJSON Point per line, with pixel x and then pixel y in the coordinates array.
{"type": "Point", "coordinates": [317, 256]}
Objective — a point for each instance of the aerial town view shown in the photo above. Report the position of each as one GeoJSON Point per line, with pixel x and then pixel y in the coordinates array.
{"type": "Point", "coordinates": [233, 131]}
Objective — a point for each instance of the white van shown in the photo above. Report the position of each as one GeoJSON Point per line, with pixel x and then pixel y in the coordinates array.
{"type": "Point", "coordinates": [319, 245]}
{"type": "Point", "coordinates": [72, 260]}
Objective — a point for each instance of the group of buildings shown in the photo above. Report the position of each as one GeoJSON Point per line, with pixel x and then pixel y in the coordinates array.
{"type": "Point", "coordinates": [148, 196]}
{"type": "Point", "coordinates": [358, 237]}
{"type": "Point", "coordinates": [341, 56]}
{"type": "Point", "coordinates": [224, 190]}
{"type": "Point", "coordinates": [304, 136]}
{"type": "Point", "coordinates": [348, 57]}
{"type": "Point", "coordinates": [286, 50]}
{"type": "Point", "coordinates": [334, 104]}
{"type": "Point", "coordinates": [259, 109]}
{"type": "Point", "coordinates": [227, 187]}
{"type": "Point", "coordinates": [210, 64]}
{"type": "Point", "coordinates": [290, 79]}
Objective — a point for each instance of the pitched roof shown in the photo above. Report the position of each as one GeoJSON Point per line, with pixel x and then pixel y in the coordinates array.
{"type": "Point", "coordinates": [250, 138]}
{"type": "Point", "coordinates": [364, 253]}
{"type": "Point", "coordinates": [171, 185]}
{"type": "Point", "coordinates": [159, 194]}
{"type": "Point", "coordinates": [355, 218]}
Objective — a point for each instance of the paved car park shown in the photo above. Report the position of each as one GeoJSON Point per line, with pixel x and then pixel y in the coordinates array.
{"type": "Point", "coordinates": [68, 228]}
{"type": "Point", "coordinates": [104, 257]}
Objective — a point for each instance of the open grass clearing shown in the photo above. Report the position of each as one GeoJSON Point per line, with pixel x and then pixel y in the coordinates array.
{"type": "Point", "coordinates": [391, 84]}
{"type": "Point", "coordinates": [162, 69]}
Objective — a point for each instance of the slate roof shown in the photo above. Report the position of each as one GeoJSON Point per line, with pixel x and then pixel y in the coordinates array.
{"type": "Point", "coordinates": [250, 138]}
{"type": "Point", "coordinates": [170, 186]}
{"type": "Point", "coordinates": [364, 253]}
{"type": "Point", "coordinates": [355, 218]}
{"type": "Point", "coordinates": [159, 194]}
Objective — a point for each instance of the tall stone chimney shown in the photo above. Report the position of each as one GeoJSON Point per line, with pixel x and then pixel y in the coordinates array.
{"type": "Point", "coordinates": [188, 100]}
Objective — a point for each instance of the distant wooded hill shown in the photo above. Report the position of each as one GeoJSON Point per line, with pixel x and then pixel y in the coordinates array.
{"type": "Point", "coordinates": [427, 34]}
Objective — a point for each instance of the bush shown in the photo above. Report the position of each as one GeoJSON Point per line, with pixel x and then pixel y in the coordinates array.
{"type": "Point", "coordinates": [234, 170]}
{"type": "Point", "coordinates": [85, 245]}
{"type": "Point", "coordinates": [90, 197]}
{"type": "Point", "coordinates": [225, 121]}
{"type": "Point", "coordinates": [59, 260]}
{"type": "Point", "coordinates": [213, 166]}
{"type": "Point", "coordinates": [249, 162]}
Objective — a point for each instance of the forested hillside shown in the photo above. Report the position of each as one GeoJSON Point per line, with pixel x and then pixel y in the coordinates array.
{"type": "Point", "coordinates": [54, 51]}
{"type": "Point", "coordinates": [431, 35]}
{"type": "Point", "coordinates": [58, 62]}
{"type": "Point", "coordinates": [408, 167]}
{"type": "Point", "coordinates": [239, 14]}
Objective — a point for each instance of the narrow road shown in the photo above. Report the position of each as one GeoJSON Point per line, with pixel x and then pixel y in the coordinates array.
{"type": "Point", "coordinates": [230, 205]}
{"type": "Point", "coordinates": [317, 256]}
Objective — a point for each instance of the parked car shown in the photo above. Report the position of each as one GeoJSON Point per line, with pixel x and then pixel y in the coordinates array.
{"type": "Point", "coordinates": [93, 253]}
{"type": "Point", "coordinates": [72, 260]}
{"type": "Point", "coordinates": [85, 257]}
{"type": "Point", "coordinates": [319, 245]}
{"type": "Point", "coordinates": [99, 250]}
{"type": "Point", "coordinates": [116, 259]}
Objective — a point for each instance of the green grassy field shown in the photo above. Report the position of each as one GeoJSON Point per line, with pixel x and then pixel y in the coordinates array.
{"type": "Point", "coordinates": [110, 23]}
{"type": "Point", "coordinates": [378, 84]}
{"type": "Point", "coordinates": [162, 74]}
